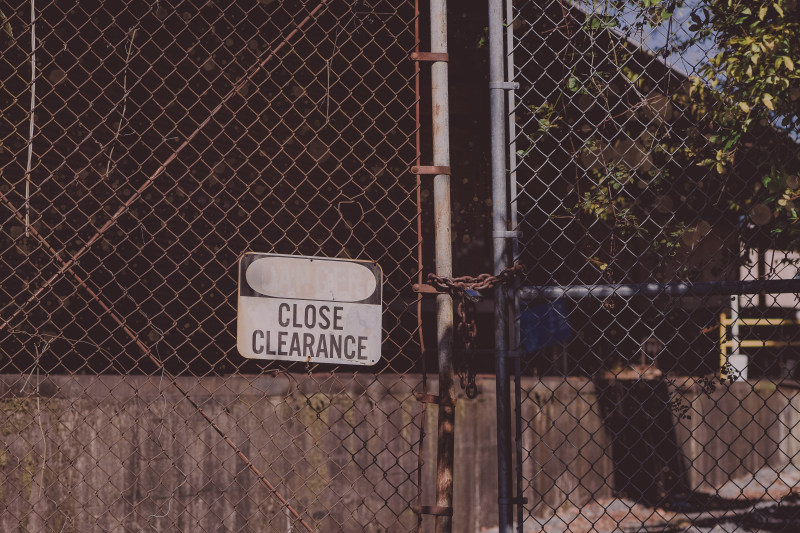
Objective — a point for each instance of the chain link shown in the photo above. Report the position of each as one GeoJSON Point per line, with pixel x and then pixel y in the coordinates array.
{"type": "Point", "coordinates": [465, 290]}
{"type": "Point", "coordinates": [468, 331]}
{"type": "Point", "coordinates": [144, 147]}
{"type": "Point", "coordinates": [468, 286]}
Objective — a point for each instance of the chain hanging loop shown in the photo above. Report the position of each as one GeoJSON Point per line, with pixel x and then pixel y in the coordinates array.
{"type": "Point", "coordinates": [465, 290]}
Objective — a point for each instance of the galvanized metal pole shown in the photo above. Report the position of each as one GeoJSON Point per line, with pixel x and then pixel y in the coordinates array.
{"type": "Point", "coordinates": [684, 288]}
{"type": "Point", "coordinates": [515, 307]}
{"type": "Point", "coordinates": [497, 87]}
{"type": "Point", "coordinates": [444, 267]}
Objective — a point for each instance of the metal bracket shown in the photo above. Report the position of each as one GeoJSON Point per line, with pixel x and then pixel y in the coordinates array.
{"type": "Point", "coordinates": [508, 85]}
{"type": "Point", "coordinates": [431, 398]}
{"type": "Point", "coordinates": [470, 294]}
{"type": "Point", "coordinates": [506, 234]}
{"type": "Point", "coordinates": [435, 510]}
{"type": "Point", "coordinates": [424, 288]}
{"type": "Point", "coordinates": [430, 170]}
{"type": "Point", "coordinates": [430, 56]}
{"type": "Point", "coordinates": [514, 501]}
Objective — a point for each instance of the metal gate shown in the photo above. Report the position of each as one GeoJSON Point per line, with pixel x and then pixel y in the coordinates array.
{"type": "Point", "coordinates": [651, 149]}
{"type": "Point", "coordinates": [145, 146]}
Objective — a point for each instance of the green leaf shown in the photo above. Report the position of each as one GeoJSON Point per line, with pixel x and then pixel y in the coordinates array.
{"type": "Point", "coordinates": [7, 25]}
{"type": "Point", "coordinates": [598, 263]}
{"type": "Point", "coordinates": [572, 84]}
{"type": "Point", "coordinates": [762, 13]}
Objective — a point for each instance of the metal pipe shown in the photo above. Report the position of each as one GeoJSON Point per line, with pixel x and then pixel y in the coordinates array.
{"type": "Point", "coordinates": [512, 160]}
{"type": "Point", "coordinates": [691, 288]}
{"type": "Point", "coordinates": [735, 324]}
{"type": "Point", "coordinates": [444, 267]}
{"type": "Point", "coordinates": [500, 228]}
{"type": "Point", "coordinates": [515, 306]}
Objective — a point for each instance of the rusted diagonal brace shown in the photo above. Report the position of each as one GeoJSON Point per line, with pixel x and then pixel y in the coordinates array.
{"type": "Point", "coordinates": [20, 217]}
{"type": "Point", "coordinates": [146, 350]}
{"type": "Point", "coordinates": [160, 170]}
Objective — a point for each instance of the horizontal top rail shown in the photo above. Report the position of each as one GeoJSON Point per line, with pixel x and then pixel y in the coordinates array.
{"type": "Point", "coordinates": [696, 288]}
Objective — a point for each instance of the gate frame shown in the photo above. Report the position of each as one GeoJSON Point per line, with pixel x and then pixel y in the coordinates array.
{"type": "Point", "coordinates": [507, 300]}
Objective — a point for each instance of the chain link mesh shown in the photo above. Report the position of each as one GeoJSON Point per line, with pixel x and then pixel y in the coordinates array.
{"type": "Point", "coordinates": [144, 147]}
{"type": "Point", "coordinates": [645, 408]}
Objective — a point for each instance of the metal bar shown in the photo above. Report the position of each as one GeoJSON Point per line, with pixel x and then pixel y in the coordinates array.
{"type": "Point", "coordinates": [761, 322]}
{"type": "Point", "coordinates": [431, 170]}
{"type": "Point", "coordinates": [497, 87]}
{"type": "Point", "coordinates": [520, 499]}
{"type": "Point", "coordinates": [444, 267]}
{"type": "Point", "coordinates": [429, 56]}
{"type": "Point", "coordinates": [424, 288]}
{"type": "Point", "coordinates": [735, 325]}
{"type": "Point", "coordinates": [31, 123]}
{"type": "Point", "coordinates": [723, 351]}
{"type": "Point", "coordinates": [754, 343]}
{"type": "Point", "coordinates": [514, 235]}
{"type": "Point", "coordinates": [696, 288]}
{"type": "Point", "coordinates": [423, 418]}
{"type": "Point", "coordinates": [505, 85]}
{"type": "Point", "coordinates": [435, 510]}
{"type": "Point", "coordinates": [506, 234]}
{"type": "Point", "coordinates": [430, 398]}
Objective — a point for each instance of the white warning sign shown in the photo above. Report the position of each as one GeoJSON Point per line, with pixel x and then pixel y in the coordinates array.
{"type": "Point", "coordinates": [309, 309]}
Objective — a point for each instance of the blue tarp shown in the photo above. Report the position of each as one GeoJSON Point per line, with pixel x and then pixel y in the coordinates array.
{"type": "Point", "coordinates": [543, 325]}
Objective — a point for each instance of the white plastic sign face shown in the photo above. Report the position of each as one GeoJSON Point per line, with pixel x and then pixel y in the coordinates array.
{"type": "Point", "coordinates": [309, 309]}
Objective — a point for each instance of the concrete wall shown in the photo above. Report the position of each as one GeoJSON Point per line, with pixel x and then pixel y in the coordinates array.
{"type": "Point", "coordinates": [131, 454]}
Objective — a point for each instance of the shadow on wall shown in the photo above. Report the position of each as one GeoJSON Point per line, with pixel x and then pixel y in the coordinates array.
{"type": "Point", "coordinates": [650, 465]}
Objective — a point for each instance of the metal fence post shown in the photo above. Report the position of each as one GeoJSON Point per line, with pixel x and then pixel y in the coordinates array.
{"type": "Point", "coordinates": [444, 267]}
{"type": "Point", "coordinates": [497, 87]}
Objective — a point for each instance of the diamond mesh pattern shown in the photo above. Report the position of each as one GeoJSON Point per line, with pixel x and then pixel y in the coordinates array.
{"type": "Point", "coordinates": [634, 414]}
{"type": "Point", "coordinates": [170, 137]}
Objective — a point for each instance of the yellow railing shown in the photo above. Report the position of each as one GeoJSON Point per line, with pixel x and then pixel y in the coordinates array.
{"type": "Point", "coordinates": [725, 345]}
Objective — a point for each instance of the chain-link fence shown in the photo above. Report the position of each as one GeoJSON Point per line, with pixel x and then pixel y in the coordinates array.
{"type": "Point", "coordinates": [144, 147]}
{"type": "Point", "coordinates": [654, 179]}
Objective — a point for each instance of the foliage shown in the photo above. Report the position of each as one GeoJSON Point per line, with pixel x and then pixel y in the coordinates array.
{"type": "Point", "coordinates": [754, 87]}
{"type": "Point", "coordinates": [663, 154]}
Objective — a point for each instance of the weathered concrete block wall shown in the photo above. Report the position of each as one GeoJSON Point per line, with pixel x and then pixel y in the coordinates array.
{"type": "Point", "coordinates": [728, 431]}
{"type": "Point", "coordinates": [566, 450]}
{"type": "Point", "coordinates": [113, 453]}
{"type": "Point", "coordinates": [132, 454]}
{"type": "Point", "coordinates": [735, 430]}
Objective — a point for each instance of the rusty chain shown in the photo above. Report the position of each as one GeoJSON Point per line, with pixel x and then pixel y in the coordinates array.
{"type": "Point", "coordinates": [468, 286]}
{"type": "Point", "coordinates": [466, 289]}
{"type": "Point", "coordinates": [467, 330]}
